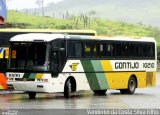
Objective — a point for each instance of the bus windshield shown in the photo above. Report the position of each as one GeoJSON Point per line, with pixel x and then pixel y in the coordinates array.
{"type": "Point", "coordinates": [32, 56]}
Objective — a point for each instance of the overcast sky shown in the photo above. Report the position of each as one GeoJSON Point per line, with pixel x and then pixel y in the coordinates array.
{"type": "Point", "coordinates": [22, 4]}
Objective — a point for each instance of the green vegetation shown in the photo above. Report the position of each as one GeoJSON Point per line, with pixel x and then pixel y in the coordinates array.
{"type": "Point", "coordinates": [21, 20]}
{"type": "Point", "coordinates": [103, 27]}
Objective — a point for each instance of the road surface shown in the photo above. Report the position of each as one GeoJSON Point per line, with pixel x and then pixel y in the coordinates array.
{"type": "Point", "coordinates": [145, 98]}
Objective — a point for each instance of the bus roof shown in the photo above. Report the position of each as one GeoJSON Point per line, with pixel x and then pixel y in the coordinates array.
{"type": "Point", "coordinates": [49, 37]}
{"type": "Point", "coordinates": [36, 37]}
{"type": "Point", "coordinates": [123, 38]}
{"type": "Point", "coordinates": [116, 38]}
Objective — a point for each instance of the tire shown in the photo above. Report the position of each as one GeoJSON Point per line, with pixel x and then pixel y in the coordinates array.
{"type": "Point", "coordinates": [132, 84]}
{"type": "Point", "coordinates": [99, 92]}
{"type": "Point", "coordinates": [32, 95]}
{"type": "Point", "coordinates": [68, 89]}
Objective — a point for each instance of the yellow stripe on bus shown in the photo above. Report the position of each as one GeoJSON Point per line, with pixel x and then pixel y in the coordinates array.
{"type": "Point", "coordinates": [117, 80]}
{"type": "Point", "coordinates": [39, 75]}
{"type": "Point", "coordinates": [106, 65]}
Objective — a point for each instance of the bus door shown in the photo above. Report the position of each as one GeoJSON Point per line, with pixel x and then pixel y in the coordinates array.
{"type": "Point", "coordinates": [55, 62]}
{"type": "Point", "coordinates": [58, 59]}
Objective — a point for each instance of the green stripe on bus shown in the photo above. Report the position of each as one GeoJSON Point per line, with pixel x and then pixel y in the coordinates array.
{"type": "Point", "coordinates": [32, 76]}
{"type": "Point", "coordinates": [100, 76]}
{"type": "Point", "coordinates": [90, 74]}
{"type": "Point", "coordinates": [26, 75]}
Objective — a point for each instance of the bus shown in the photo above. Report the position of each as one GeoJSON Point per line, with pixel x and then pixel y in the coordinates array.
{"type": "Point", "coordinates": [4, 51]}
{"type": "Point", "coordinates": [68, 63]}
{"type": "Point", "coordinates": [6, 34]}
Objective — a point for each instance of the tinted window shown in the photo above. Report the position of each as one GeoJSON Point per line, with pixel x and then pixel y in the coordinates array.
{"type": "Point", "coordinates": [74, 49]}
{"type": "Point", "coordinates": [91, 49]}
{"type": "Point", "coordinates": [112, 50]}
{"type": "Point", "coordinates": [106, 49]}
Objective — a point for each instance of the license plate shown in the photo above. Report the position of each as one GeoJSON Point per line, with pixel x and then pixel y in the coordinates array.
{"type": "Point", "coordinates": [10, 88]}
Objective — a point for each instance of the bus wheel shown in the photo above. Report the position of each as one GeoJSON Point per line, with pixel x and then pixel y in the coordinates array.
{"type": "Point", "coordinates": [99, 92]}
{"type": "Point", "coordinates": [68, 89]}
{"type": "Point", "coordinates": [32, 95]}
{"type": "Point", "coordinates": [132, 84]}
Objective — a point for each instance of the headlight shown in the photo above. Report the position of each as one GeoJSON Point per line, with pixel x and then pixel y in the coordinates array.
{"type": "Point", "coordinates": [11, 79]}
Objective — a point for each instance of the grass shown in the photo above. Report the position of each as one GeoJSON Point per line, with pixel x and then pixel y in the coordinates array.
{"type": "Point", "coordinates": [103, 27]}
{"type": "Point", "coordinates": [21, 20]}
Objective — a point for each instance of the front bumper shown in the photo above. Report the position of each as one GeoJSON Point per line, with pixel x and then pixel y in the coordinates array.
{"type": "Point", "coordinates": [31, 86]}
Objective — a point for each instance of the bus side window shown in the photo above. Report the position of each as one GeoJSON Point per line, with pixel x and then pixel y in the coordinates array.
{"type": "Point", "coordinates": [144, 50]}
{"type": "Point", "coordinates": [87, 49]}
{"type": "Point", "coordinates": [13, 58]}
{"type": "Point", "coordinates": [106, 49]}
{"type": "Point", "coordinates": [91, 50]}
{"type": "Point", "coordinates": [136, 51]}
{"type": "Point", "coordinates": [74, 49]}
{"type": "Point", "coordinates": [152, 51]}
{"type": "Point", "coordinates": [101, 50]}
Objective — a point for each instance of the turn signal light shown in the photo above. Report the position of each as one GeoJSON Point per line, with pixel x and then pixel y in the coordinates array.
{"type": "Point", "coordinates": [11, 79]}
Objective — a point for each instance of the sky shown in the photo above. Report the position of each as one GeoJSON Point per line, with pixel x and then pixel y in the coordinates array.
{"type": "Point", "coordinates": [23, 4]}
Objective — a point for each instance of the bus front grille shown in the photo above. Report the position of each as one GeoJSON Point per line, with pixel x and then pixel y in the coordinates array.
{"type": "Point", "coordinates": [24, 79]}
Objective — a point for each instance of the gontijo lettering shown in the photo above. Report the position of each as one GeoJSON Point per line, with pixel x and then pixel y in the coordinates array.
{"type": "Point", "coordinates": [126, 65]}
{"type": "Point", "coordinates": [132, 65]}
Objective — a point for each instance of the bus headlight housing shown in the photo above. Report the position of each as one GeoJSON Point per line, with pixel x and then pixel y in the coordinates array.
{"type": "Point", "coordinates": [11, 79]}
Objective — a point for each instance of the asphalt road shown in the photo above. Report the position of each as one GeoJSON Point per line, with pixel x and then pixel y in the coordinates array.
{"type": "Point", "coordinates": [143, 98]}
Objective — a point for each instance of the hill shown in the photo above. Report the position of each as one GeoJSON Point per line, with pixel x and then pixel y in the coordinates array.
{"type": "Point", "coordinates": [132, 11]}
{"type": "Point", "coordinates": [103, 27]}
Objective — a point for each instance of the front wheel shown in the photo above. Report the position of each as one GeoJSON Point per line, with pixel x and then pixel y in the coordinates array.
{"type": "Point", "coordinates": [32, 95]}
{"type": "Point", "coordinates": [132, 84]}
{"type": "Point", "coordinates": [67, 89]}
